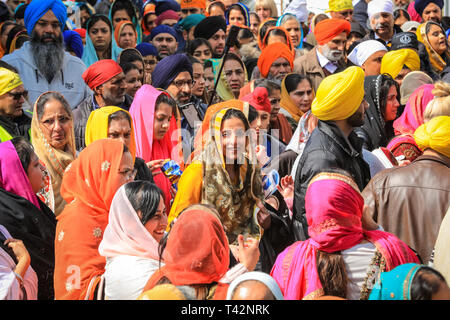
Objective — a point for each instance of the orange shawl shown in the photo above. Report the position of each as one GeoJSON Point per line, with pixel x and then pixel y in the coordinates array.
{"type": "Point", "coordinates": [88, 187]}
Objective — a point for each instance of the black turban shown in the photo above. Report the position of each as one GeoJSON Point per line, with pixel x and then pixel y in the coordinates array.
{"type": "Point", "coordinates": [420, 5]}
{"type": "Point", "coordinates": [209, 26]}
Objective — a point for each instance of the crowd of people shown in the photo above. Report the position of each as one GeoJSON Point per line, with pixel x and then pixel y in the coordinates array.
{"type": "Point", "coordinates": [224, 150]}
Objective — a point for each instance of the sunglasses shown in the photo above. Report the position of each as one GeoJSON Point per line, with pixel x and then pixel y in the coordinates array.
{"type": "Point", "coordinates": [18, 95]}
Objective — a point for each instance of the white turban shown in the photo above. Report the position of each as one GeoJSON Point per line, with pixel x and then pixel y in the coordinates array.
{"type": "Point", "coordinates": [378, 6]}
{"type": "Point", "coordinates": [364, 50]}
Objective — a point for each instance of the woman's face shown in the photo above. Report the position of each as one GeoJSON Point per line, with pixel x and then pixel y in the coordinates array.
{"type": "Point", "coordinates": [56, 124]}
{"type": "Point", "coordinates": [261, 122]}
{"type": "Point", "coordinates": [263, 13]}
{"type": "Point", "coordinates": [293, 28]}
{"type": "Point", "coordinates": [254, 24]}
{"type": "Point", "coordinates": [133, 82]}
{"type": "Point", "coordinates": [392, 104]}
{"type": "Point", "coordinates": [158, 223]}
{"type": "Point", "coordinates": [163, 114]}
{"type": "Point", "coordinates": [233, 139]}
{"type": "Point", "coordinates": [302, 96]}
{"type": "Point", "coordinates": [120, 129]}
{"type": "Point", "coordinates": [140, 65]}
{"type": "Point", "coordinates": [436, 37]}
{"type": "Point", "coordinates": [202, 53]}
{"type": "Point", "coordinates": [234, 75]}
{"type": "Point", "coordinates": [199, 77]}
{"type": "Point", "coordinates": [100, 34]}
{"type": "Point", "coordinates": [120, 15]}
{"type": "Point", "coordinates": [209, 79]}
{"type": "Point", "coordinates": [150, 21]}
{"type": "Point", "coordinates": [216, 11]}
{"type": "Point", "coordinates": [236, 17]}
{"type": "Point", "coordinates": [126, 170]}
{"type": "Point", "coordinates": [35, 174]}
{"type": "Point", "coordinates": [127, 38]}
{"type": "Point", "coordinates": [150, 63]}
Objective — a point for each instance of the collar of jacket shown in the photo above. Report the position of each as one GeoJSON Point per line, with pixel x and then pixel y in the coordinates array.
{"type": "Point", "coordinates": [432, 158]}
{"type": "Point", "coordinates": [351, 145]}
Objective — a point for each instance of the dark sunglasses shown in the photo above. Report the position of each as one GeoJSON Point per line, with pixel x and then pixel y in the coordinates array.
{"type": "Point", "coordinates": [18, 95]}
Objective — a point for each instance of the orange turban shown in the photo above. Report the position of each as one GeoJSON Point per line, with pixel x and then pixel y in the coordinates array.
{"type": "Point", "coordinates": [100, 72]}
{"type": "Point", "coordinates": [327, 29]}
{"type": "Point", "coordinates": [271, 53]}
{"type": "Point", "coordinates": [201, 4]}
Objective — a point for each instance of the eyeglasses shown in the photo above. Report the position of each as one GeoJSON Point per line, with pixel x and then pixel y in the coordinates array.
{"type": "Point", "coordinates": [181, 83]}
{"type": "Point", "coordinates": [130, 174]}
{"type": "Point", "coordinates": [18, 95]}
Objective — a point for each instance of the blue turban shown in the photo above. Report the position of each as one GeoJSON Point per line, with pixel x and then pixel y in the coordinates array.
{"type": "Point", "coordinates": [163, 5]}
{"type": "Point", "coordinates": [73, 42]}
{"type": "Point", "coordinates": [169, 68]}
{"type": "Point", "coordinates": [162, 28]}
{"type": "Point", "coordinates": [420, 5]}
{"type": "Point", "coordinates": [147, 49]}
{"type": "Point", "coordinates": [37, 8]}
{"type": "Point", "coordinates": [191, 21]}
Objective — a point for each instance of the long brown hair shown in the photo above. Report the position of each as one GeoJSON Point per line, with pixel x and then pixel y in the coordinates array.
{"type": "Point", "coordinates": [332, 273]}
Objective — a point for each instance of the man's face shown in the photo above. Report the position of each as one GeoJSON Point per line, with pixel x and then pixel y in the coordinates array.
{"type": "Point", "coordinates": [217, 42]}
{"type": "Point", "coordinates": [357, 119]}
{"type": "Point", "coordinates": [372, 65]}
{"type": "Point", "coordinates": [113, 90]}
{"type": "Point", "coordinates": [333, 50]}
{"type": "Point", "coordinates": [383, 25]}
{"type": "Point", "coordinates": [11, 102]}
{"type": "Point", "coordinates": [166, 44]}
{"type": "Point", "coordinates": [181, 88]}
{"type": "Point", "coordinates": [48, 27]}
{"type": "Point", "coordinates": [279, 69]}
{"type": "Point", "coordinates": [401, 75]}
{"type": "Point", "coordinates": [344, 14]}
{"type": "Point", "coordinates": [188, 11]}
{"type": "Point", "coordinates": [432, 12]}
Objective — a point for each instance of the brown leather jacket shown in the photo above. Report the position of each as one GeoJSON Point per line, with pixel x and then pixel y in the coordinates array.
{"type": "Point", "coordinates": [411, 201]}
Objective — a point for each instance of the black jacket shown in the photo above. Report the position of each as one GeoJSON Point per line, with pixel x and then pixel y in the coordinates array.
{"type": "Point", "coordinates": [19, 126]}
{"type": "Point", "coordinates": [326, 148]}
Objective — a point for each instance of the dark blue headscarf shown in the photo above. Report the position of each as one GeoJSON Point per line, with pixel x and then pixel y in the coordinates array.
{"type": "Point", "coordinates": [37, 8]}
{"type": "Point", "coordinates": [169, 68]}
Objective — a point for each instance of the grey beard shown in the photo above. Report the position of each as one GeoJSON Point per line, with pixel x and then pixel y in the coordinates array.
{"type": "Point", "coordinates": [329, 54]}
{"type": "Point", "coordinates": [48, 57]}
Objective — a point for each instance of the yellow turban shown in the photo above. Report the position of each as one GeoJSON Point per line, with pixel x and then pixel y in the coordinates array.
{"type": "Point", "coordinates": [339, 95]}
{"type": "Point", "coordinates": [434, 134]}
{"type": "Point", "coordinates": [97, 126]}
{"type": "Point", "coordinates": [339, 5]}
{"type": "Point", "coordinates": [393, 61]}
{"type": "Point", "coordinates": [162, 292]}
{"type": "Point", "coordinates": [8, 80]}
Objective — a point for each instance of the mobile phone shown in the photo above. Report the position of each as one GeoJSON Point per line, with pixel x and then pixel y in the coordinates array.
{"type": "Point", "coordinates": [190, 113]}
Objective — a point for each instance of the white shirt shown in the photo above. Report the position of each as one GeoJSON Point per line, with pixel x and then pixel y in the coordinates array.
{"type": "Point", "coordinates": [325, 63]}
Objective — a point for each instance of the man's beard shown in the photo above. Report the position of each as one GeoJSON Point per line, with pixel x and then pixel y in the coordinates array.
{"type": "Point", "coordinates": [356, 119]}
{"type": "Point", "coordinates": [332, 55]}
{"type": "Point", "coordinates": [48, 56]}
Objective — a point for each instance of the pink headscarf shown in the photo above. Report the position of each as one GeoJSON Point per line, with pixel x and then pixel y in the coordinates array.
{"type": "Point", "coordinates": [413, 13]}
{"type": "Point", "coordinates": [412, 116]}
{"type": "Point", "coordinates": [142, 111]}
{"type": "Point", "coordinates": [334, 207]}
{"type": "Point", "coordinates": [13, 177]}
{"type": "Point", "coordinates": [125, 234]}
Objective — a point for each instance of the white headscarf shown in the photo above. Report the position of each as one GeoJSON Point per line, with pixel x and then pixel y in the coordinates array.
{"type": "Point", "coordinates": [378, 6]}
{"type": "Point", "coordinates": [364, 50]}
{"type": "Point", "coordinates": [258, 276]}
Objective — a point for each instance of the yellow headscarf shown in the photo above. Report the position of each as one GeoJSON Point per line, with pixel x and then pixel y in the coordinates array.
{"type": "Point", "coordinates": [97, 126]}
{"type": "Point", "coordinates": [8, 80]}
{"type": "Point", "coordinates": [339, 95]}
{"type": "Point", "coordinates": [437, 63]}
{"type": "Point", "coordinates": [434, 134]}
{"type": "Point", "coordinates": [393, 61]}
{"type": "Point", "coordinates": [286, 102]}
{"type": "Point", "coordinates": [339, 5]}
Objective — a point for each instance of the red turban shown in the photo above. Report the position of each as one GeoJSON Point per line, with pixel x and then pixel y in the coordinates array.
{"type": "Point", "coordinates": [259, 99]}
{"type": "Point", "coordinates": [271, 53]}
{"type": "Point", "coordinates": [100, 72]}
{"type": "Point", "coordinates": [81, 32]}
{"type": "Point", "coordinates": [327, 29]}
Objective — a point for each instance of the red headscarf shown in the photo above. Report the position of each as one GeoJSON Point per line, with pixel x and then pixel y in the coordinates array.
{"type": "Point", "coordinates": [197, 250]}
{"type": "Point", "coordinates": [334, 207]}
{"type": "Point", "coordinates": [100, 72]}
{"type": "Point", "coordinates": [259, 99]}
{"type": "Point", "coordinates": [271, 53]}
{"type": "Point", "coordinates": [327, 29]}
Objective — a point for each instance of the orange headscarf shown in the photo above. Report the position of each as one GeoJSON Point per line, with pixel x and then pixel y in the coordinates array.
{"type": "Point", "coordinates": [88, 187]}
{"type": "Point", "coordinates": [187, 262]}
{"type": "Point", "coordinates": [120, 27]}
{"type": "Point", "coordinates": [271, 53]}
{"type": "Point", "coordinates": [149, 9]}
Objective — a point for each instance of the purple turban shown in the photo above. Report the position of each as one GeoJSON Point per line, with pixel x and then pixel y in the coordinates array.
{"type": "Point", "coordinates": [169, 68]}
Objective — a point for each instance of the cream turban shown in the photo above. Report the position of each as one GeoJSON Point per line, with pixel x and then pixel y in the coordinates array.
{"type": "Point", "coordinates": [364, 50]}
{"type": "Point", "coordinates": [339, 95]}
{"type": "Point", "coordinates": [393, 61]}
{"type": "Point", "coordinates": [434, 134]}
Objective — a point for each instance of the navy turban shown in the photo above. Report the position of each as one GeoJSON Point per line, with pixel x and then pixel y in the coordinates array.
{"type": "Point", "coordinates": [37, 8]}
{"type": "Point", "coordinates": [209, 26]}
{"type": "Point", "coordinates": [420, 5]}
{"type": "Point", "coordinates": [73, 42]}
{"type": "Point", "coordinates": [169, 68]}
{"type": "Point", "coordinates": [163, 5]}
{"type": "Point", "coordinates": [147, 49]}
{"type": "Point", "coordinates": [162, 28]}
